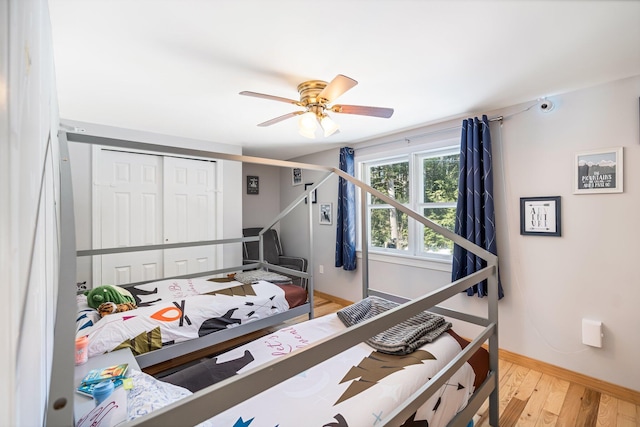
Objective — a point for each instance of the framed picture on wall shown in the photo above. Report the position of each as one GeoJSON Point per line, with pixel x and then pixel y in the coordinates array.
{"type": "Point", "coordinates": [253, 184]}
{"type": "Point", "coordinates": [326, 213]}
{"type": "Point", "coordinates": [314, 194]}
{"type": "Point", "coordinates": [296, 176]}
{"type": "Point", "coordinates": [540, 216]}
{"type": "Point", "coordinates": [598, 171]}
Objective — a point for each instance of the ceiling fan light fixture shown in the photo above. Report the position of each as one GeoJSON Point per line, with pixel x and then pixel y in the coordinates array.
{"type": "Point", "coordinates": [308, 121]}
{"type": "Point", "coordinates": [307, 133]}
{"type": "Point", "coordinates": [328, 125]}
{"type": "Point", "coordinates": [307, 124]}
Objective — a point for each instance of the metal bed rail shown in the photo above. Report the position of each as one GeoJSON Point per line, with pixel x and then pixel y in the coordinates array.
{"type": "Point", "coordinates": [221, 396]}
{"type": "Point", "coordinates": [259, 264]}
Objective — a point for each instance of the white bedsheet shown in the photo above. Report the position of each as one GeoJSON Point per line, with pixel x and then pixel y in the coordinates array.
{"type": "Point", "coordinates": [350, 389]}
{"type": "Point", "coordinates": [181, 310]}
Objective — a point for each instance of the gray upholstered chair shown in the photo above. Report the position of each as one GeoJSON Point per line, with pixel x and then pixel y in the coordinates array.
{"type": "Point", "coordinates": [273, 253]}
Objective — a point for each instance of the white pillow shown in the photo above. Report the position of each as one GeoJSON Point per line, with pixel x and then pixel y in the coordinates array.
{"type": "Point", "coordinates": [149, 394]}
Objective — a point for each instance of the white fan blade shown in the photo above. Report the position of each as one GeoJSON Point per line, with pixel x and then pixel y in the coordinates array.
{"type": "Point", "coordinates": [339, 85]}
{"type": "Point", "coordinates": [363, 110]}
{"type": "Point", "coordinates": [272, 97]}
{"type": "Point", "coordinates": [281, 118]}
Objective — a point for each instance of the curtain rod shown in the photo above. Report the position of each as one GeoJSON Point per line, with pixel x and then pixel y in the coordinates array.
{"type": "Point", "coordinates": [433, 132]}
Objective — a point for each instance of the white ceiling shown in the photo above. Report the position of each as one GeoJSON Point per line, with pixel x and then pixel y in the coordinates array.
{"type": "Point", "coordinates": [176, 66]}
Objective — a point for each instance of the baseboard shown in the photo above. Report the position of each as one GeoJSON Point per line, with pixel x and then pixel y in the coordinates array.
{"type": "Point", "coordinates": [335, 299]}
{"type": "Point", "coordinates": [619, 392]}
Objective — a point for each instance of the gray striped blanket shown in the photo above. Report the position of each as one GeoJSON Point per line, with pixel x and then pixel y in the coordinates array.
{"type": "Point", "coordinates": [402, 338]}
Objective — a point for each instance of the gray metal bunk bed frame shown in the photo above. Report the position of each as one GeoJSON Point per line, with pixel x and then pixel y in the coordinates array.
{"type": "Point", "coordinates": [221, 396]}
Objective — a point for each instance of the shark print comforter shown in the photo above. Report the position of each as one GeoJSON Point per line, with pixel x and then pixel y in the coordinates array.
{"type": "Point", "coordinates": [172, 311]}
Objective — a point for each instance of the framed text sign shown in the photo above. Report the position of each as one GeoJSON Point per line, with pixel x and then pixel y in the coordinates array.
{"type": "Point", "coordinates": [598, 171]}
{"type": "Point", "coordinates": [540, 216]}
{"type": "Point", "coordinates": [253, 184]}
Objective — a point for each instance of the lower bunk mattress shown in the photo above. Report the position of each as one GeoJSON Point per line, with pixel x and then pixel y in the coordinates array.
{"type": "Point", "coordinates": [177, 310]}
{"type": "Point", "coordinates": [357, 387]}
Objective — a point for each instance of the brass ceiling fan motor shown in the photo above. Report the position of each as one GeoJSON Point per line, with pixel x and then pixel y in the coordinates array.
{"type": "Point", "coordinates": [316, 97]}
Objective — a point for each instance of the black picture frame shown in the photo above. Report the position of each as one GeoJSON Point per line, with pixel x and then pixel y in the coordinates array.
{"type": "Point", "coordinates": [253, 184]}
{"type": "Point", "coordinates": [540, 216]}
{"type": "Point", "coordinates": [296, 176]}
{"type": "Point", "coordinates": [314, 194]}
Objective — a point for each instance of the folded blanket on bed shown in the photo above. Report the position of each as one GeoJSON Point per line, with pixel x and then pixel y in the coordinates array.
{"type": "Point", "coordinates": [402, 338]}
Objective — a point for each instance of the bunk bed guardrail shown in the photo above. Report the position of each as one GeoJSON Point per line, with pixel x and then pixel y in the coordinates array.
{"type": "Point", "coordinates": [214, 399]}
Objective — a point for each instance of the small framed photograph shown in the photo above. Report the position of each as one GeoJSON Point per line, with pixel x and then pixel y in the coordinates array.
{"type": "Point", "coordinates": [253, 184]}
{"type": "Point", "coordinates": [540, 216]}
{"type": "Point", "coordinates": [598, 171]}
{"type": "Point", "coordinates": [314, 194]}
{"type": "Point", "coordinates": [296, 176]}
{"type": "Point", "coordinates": [326, 213]}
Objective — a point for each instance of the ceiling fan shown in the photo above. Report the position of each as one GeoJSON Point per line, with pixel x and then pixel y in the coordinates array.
{"type": "Point", "coordinates": [316, 97]}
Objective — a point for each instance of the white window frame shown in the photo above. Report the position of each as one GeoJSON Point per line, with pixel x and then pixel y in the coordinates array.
{"type": "Point", "coordinates": [366, 171]}
{"type": "Point", "coordinates": [420, 205]}
{"type": "Point", "coordinates": [415, 248]}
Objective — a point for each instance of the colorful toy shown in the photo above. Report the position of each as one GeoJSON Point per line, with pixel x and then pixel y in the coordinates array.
{"type": "Point", "coordinates": [111, 307]}
{"type": "Point", "coordinates": [108, 293]}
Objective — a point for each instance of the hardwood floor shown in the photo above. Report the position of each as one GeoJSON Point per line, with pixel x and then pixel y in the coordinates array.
{"type": "Point", "coordinates": [531, 398]}
{"type": "Point", "coordinates": [530, 393]}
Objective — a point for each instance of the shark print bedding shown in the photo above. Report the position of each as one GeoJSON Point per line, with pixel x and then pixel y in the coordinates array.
{"type": "Point", "coordinates": [172, 311]}
{"type": "Point", "coordinates": [358, 387]}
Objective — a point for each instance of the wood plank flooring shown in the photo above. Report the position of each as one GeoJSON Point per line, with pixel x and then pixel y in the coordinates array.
{"type": "Point", "coordinates": [529, 395]}
{"type": "Point", "coordinates": [531, 398]}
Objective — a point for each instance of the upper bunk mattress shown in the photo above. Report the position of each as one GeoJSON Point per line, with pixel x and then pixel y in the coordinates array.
{"type": "Point", "coordinates": [176, 310]}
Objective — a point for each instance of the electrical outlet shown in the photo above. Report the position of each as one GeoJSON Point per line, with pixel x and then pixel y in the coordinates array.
{"type": "Point", "coordinates": [321, 269]}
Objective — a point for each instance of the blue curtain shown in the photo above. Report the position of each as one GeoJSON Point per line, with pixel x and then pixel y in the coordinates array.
{"type": "Point", "coordinates": [475, 215]}
{"type": "Point", "coordinates": [346, 216]}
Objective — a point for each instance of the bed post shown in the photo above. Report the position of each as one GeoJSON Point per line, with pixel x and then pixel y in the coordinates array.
{"type": "Point", "coordinates": [311, 265]}
{"type": "Point", "coordinates": [61, 389]}
{"type": "Point", "coordinates": [365, 243]}
{"type": "Point", "coordinates": [494, 401]}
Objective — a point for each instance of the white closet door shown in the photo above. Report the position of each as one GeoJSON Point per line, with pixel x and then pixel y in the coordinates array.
{"type": "Point", "coordinates": [129, 194]}
{"type": "Point", "coordinates": [189, 214]}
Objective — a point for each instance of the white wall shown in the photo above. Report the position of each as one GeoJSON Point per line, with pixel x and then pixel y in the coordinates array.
{"type": "Point", "coordinates": [550, 283]}
{"type": "Point", "coordinates": [264, 206]}
{"type": "Point", "coordinates": [29, 185]}
{"type": "Point", "coordinates": [228, 178]}
{"type": "Point", "coordinates": [294, 229]}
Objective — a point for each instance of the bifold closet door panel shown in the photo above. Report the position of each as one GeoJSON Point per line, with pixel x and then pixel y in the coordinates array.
{"type": "Point", "coordinates": [189, 214]}
{"type": "Point", "coordinates": [145, 199]}
{"type": "Point", "coordinates": [128, 190]}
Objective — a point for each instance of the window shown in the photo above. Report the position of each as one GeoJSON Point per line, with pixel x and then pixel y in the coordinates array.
{"type": "Point", "coordinates": [426, 182]}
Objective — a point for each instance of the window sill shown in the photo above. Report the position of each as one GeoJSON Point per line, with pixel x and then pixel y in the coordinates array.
{"type": "Point", "coordinates": [411, 261]}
